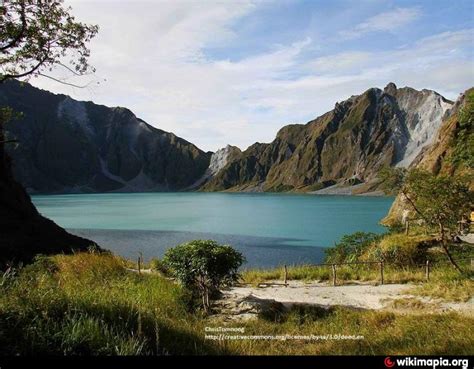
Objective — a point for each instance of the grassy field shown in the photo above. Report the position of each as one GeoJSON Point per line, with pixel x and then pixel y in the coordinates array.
{"type": "Point", "coordinates": [89, 304]}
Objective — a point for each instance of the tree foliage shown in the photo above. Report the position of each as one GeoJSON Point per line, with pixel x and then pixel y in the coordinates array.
{"type": "Point", "coordinates": [204, 265]}
{"type": "Point", "coordinates": [37, 35]}
{"type": "Point", "coordinates": [392, 179]}
{"type": "Point", "coordinates": [441, 201]}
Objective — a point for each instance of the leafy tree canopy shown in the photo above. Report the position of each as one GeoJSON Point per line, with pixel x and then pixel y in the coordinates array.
{"type": "Point", "coordinates": [37, 35]}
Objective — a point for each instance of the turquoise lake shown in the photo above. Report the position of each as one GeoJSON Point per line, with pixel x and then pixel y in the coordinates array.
{"type": "Point", "coordinates": [270, 229]}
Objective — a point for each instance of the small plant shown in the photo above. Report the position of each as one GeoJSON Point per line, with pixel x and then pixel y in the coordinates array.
{"type": "Point", "coordinates": [351, 247]}
{"type": "Point", "coordinates": [204, 266]}
{"type": "Point", "coordinates": [158, 265]}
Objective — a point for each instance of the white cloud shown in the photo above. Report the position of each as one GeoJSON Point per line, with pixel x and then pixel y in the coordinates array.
{"type": "Point", "coordinates": [340, 62]}
{"type": "Point", "coordinates": [153, 56]}
{"type": "Point", "coordinates": [383, 22]}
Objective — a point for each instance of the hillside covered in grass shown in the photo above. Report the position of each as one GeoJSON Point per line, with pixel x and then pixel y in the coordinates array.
{"type": "Point", "coordinates": [92, 304]}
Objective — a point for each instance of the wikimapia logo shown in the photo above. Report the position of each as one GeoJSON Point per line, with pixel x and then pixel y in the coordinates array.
{"type": "Point", "coordinates": [426, 362]}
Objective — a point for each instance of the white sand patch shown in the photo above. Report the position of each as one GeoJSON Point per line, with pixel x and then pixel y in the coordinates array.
{"type": "Point", "coordinates": [240, 303]}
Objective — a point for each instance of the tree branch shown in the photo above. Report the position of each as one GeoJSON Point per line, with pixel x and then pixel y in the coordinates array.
{"type": "Point", "coordinates": [32, 70]}
{"type": "Point", "coordinates": [414, 206]}
{"type": "Point", "coordinates": [20, 35]}
{"type": "Point", "coordinates": [63, 82]}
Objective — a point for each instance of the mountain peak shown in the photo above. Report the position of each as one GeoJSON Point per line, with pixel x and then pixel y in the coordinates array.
{"type": "Point", "coordinates": [390, 89]}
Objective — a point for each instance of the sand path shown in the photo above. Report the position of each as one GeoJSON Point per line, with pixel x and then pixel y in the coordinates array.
{"type": "Point", "coordinates": [247, 301]}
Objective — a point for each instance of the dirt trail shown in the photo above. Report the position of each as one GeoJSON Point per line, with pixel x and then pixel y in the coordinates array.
{"type": "Point", "coordinates": [247, 301]}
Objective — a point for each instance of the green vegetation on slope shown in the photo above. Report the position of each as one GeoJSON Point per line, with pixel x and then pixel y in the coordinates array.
{"type": "Point", "coordinates": [462, 138]}
{"type": "Point", "coordinates": [90, 304]}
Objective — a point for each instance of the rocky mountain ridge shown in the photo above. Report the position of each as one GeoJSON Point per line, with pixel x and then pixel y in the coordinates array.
{"type": "Point", "coordinates": [68, 146]}
{"type": "Point", "coordinates": [344, 147]}
{"type": "Point", "coordinates": [73, 146]}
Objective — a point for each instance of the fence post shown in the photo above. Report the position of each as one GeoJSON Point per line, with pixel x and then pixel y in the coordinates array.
{"type": "Point", "coordinates": [334, 274]}
{"type": "Point", "coordinates": [139, 265]}
{"type": "Point", "coordinates": [407, 227]}
{"type": "Point", "coordinates": [286, 276]}
{"type": "Point", "coordinates": [381, 272]}
{"type": "Point", "coordinates": [427, 270]}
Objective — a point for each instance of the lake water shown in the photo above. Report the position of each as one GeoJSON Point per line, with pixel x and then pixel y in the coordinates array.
{"type": "Point", "coordinates": [270, 229]}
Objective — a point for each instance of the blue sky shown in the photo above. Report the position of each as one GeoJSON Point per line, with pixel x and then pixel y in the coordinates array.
{"type": "Point", "coordinates": [234, 72]}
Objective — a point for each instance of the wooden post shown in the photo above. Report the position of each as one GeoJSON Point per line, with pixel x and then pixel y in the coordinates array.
{"type": "Point", "coordinates": [139, 265]}
{"type": "Point", "coordinates": [381, 272]}
{"type": "Point", "coordinates": [286, 276]}
{"type": "Point", "coordinates": [334, 274]}
{"type": "Point", "coordinates": [427, 270]}
{"type": "Point", "coordinates": [407, 227]}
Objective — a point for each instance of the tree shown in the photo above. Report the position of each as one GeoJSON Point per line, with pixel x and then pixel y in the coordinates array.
{"type": "Point", "coordinates": [205, 266]}
{"type": "Point", "coordinates": [392, 179]}
{"type": "Point", "coordinates": [39, 35]}
{"type": "Point", "coordinates": [35, 36]}
{"type": "Point", "coordinates": [441, 201]}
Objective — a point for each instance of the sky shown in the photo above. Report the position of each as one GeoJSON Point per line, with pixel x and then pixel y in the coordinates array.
{"type": "Point", "coordinates": [235, 72]}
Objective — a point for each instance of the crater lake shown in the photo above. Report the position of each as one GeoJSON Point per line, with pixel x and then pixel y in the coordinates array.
{"type": "Point", "coordinates": [270, 229]}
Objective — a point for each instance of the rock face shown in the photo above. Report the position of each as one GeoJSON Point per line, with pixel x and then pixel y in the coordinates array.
{"type": "Point", "coordinates": [450, 153]}
{"type": "Point", "coordinates": [74, 146]}
{"type": "Point", "coordinates": [221, 157]}
{"type": "Point", "coordinates": [345, 146]}
{"type": "Point", "coordinates": [24, 232]}
{"type": "Point", "coordinates": [219, 160]}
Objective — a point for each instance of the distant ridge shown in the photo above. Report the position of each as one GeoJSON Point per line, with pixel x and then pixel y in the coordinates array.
{"type": "Point", "coordinates": [70, 146]}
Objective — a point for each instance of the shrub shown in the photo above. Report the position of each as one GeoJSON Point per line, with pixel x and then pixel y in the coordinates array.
{"type": "Point", "coordinates": [351, 247]}
{"type": "Point", "coordinates": [400, 249]}
{"type": "Point", "coordinates": [158, 265]}
{"type": "Point", "coordinates": [204, 266]}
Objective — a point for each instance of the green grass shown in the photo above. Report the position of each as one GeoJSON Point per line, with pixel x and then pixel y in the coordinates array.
{"type": "Point", "coordinates": [449, 285]}
{"type": "Point", "coordinates": [445, 282]}
{"type": "Point", "coordinates": [384, 333]}
{"type": "Point", "coordinates": [89, 304]}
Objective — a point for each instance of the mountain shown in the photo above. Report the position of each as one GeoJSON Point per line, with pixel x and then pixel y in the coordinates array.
{"type": "Point", "coordinates": [218, 161]}
{"type": "Point", "coordinates": [74, 146]}
{"type": "Point", "coordinates": [344, 148]}
{"type": "Point", "coordinates": [450, 153]}
{"type": "Point", "coordinates": [24, 232]}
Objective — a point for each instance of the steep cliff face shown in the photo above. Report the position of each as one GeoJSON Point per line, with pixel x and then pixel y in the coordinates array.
{"type": "Point", "coordinates": [74, 146]}
{"type": "Point", "coordinates": [218, 161]}
{"type": "Point", "coordinates": [24, 232]}
{"type": "Point", "coordinates": [345, 146]}
{"type": "Point", "coordinates": [450, 153]}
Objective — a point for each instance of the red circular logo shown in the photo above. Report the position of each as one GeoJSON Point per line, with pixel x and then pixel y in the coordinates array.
{"type": "Point", "coordinates": [389, 363]}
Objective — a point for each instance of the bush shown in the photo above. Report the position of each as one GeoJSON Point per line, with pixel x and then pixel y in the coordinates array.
{"type": "Point", "coordinates": [400, 249]}
{"type": "Point", "coordinates": [351, 247]}
{"type": "Point", "coordinates": [204, 266]}
{"type": "Point", "coordinates": [158, 265]}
